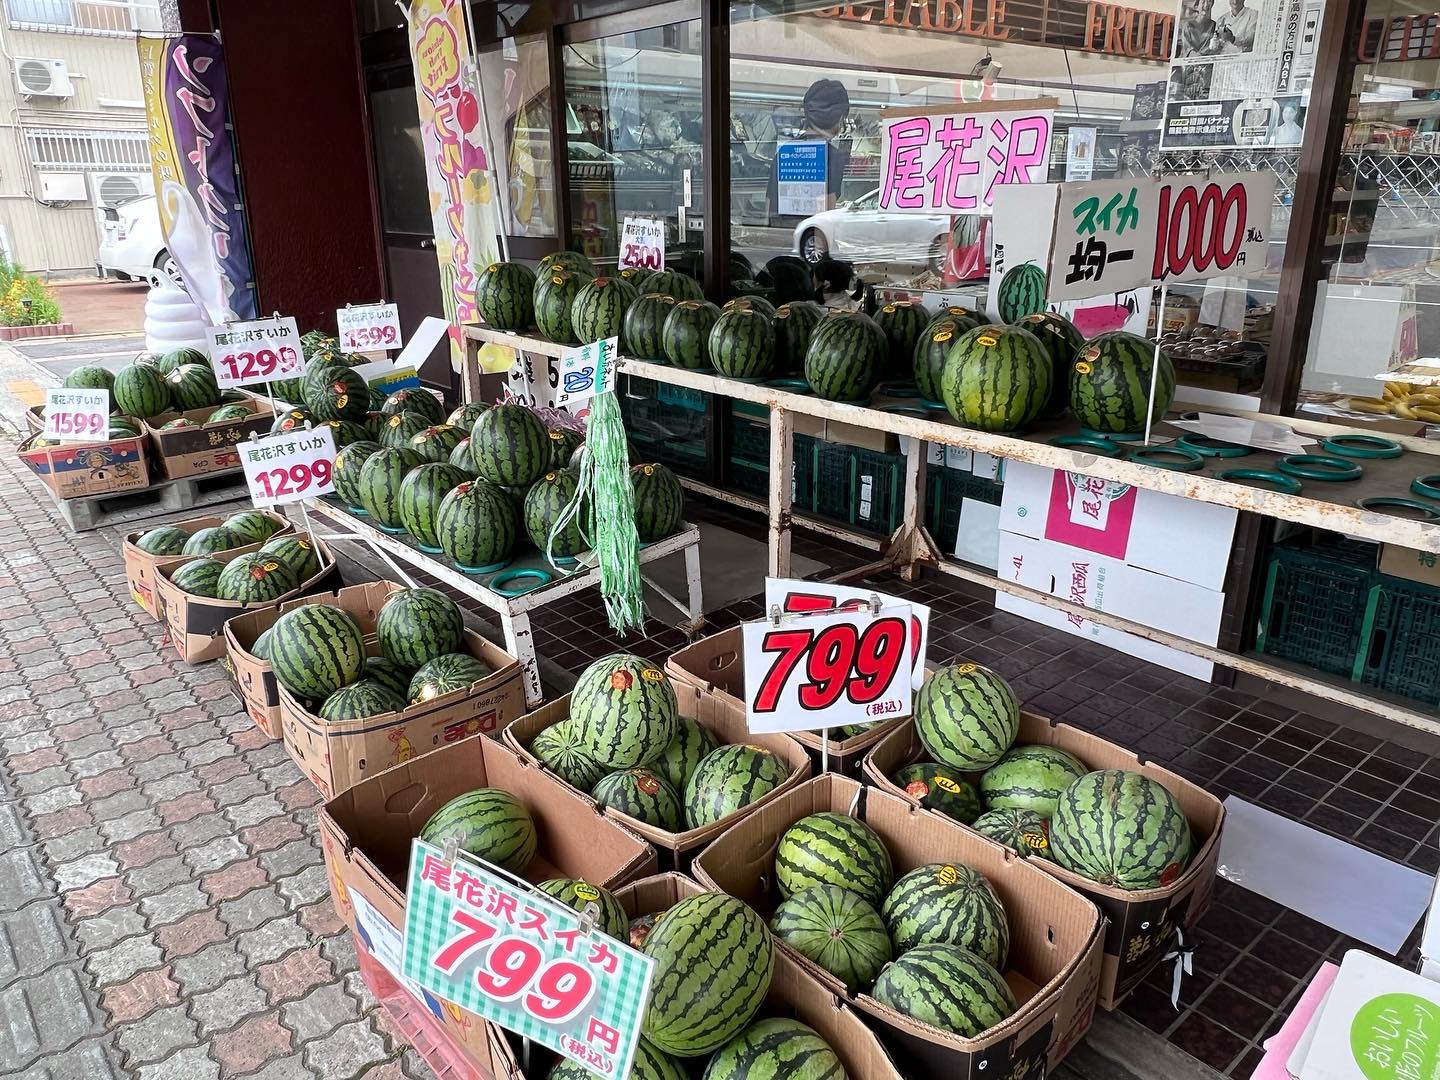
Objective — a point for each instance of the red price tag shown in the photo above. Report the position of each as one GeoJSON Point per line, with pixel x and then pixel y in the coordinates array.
{"type": "Point", "coordinates": [76, 415]}
{"type": "Point", "coordinates": [287, 468]}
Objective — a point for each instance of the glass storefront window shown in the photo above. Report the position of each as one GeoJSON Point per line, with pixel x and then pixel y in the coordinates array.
{"type": "Point", "coordinates": [515, 84]}
{"type": "Point", "coordinates": [400, 161]}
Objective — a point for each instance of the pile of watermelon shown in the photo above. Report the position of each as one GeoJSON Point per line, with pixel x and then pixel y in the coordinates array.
{"type": "Point", "coordinates": [181, 380]}
{"type": "Point", "coordinates": [280, 567]}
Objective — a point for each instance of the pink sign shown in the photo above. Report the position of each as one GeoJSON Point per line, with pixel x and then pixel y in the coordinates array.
{"type": "Point", "coordinates": [1090, 513]}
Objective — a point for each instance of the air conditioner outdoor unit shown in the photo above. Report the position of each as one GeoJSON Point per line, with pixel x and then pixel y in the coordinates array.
{"type": "Point", "coordinates": [112, 189]}
{"type": "Point", "coordinates": [42, 78]}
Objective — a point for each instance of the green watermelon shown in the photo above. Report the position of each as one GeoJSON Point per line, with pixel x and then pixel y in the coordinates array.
{"type": "Point", "coordinates": [261, 647]}
{"type": "Point", "coordinates": [674, 283]}
{"type": "Point", "coordinates": [416, 400]}
{"type": "Point", "coordinates": [794, 323]}
{"type": "Point", "coordinates": [833, 849]}
{"type": "Point", "coordinates": [1121, 828]}
{"type": "Point", "coordinates": [296, 552]}
{"type": "Point", "coordinates": [776, 1048]}
{"type": "Point", "coordinates": [903, 322]}
{"type": "Point", "coordinates": [659, 502]}
{"type": "Point", "coordinates": [948, 904]}
{"type": "Point", "coordinates": [940, 788]}
{"type": "Point", "coordinates": [843, 359]}
{"type": "Point", "coordinates": [461, 459]}
{"type": "Point", "coordinates": [750, 303]}
{"type": "Point", "coordinates": [837, 929]}
{"type": "Point", "coordinates": [345, 432]}
{"type": "Point", "coordinates": [1030, 778]}
{"type": "Point", "coordinates": [199, 577]}
{"type": "Point", "coordinates": [89, 377]}
{"type": "Point", "coordinates": [252, 526]}
{"type": "Point", "coordinates": [1022, 831]}
{"type": "Point", "coordinates": [967, 717]}
{"type": "Point", "coordinates": [742, 343]}
{"type": "Point", "coordinates": [361, 700]}
{"type": "Point", "coordinates": [139, 390]}
{"type": "Point", "coordinates": [417, 625]}
{"type": "Point", "coordinates": [381, 478]}
{"type": "Point", "coordinates": [487, 823]}
{"type": "Point", "coordinates": [713, 960]}
{"type": "Point", "coordinates": [554, 297]}
{"type": "Point", "coordinates": [165, 540]}
{"type": "Point", "coordinates": [933, 346]}
{"type": "Point", "coordinates": [349, 462]}
{"type": "Point", "coordinates": [390, 675]}
{"type": "Point", "coordinates": [464, 416]}
{"type": "Point", "coordinates": [293, 420]}
{"type": "Point", "coordinates": [645, 325]}
{"type": "Point", "coordinates": [321, 368]}
{"type": "Point", "coordinates": [445, 674]}
{"type": "Point", "coordinates": [421, 493]}
{"type": "Point", "coordinates": [598, 311]}
{"type": "Point", "coordinates": [625, 710]}
{"type": "Point", "coordinates": [477, 524]}
{"type": "Point", "coordinates": [398, 430]}
{"type": "Point", "coordinates": [642, 795]}
{"type": "Point", "coordinates": [503, 295]}
{"type": "Point", "coordinates": [729, 778]}
{"type": "Point", "coordinates": [210, 540]}
{"type": "Point", "coordinates": [255, 578]}
{"type": "Point", "coordinates": [996, 378]}
{"type": "Point", "coordinates": [345, 395]}
{"type": "Point", "coordinates": [572, 261]}
{"type": "Point", "coordinates": [558, 749]}
{"type": "Point", "coordinates": [177, 358]}
{"type": "Point", "coordinates": [316, 649]}
{"type": "Point", "coordinates": [288, 391]}
{"type": "Point", "coordinates": [685, 336]}
{"type": "Point", "coordinates": [192, 386]}
{"type": "Point", "coordinates": [637, 276]}
{"type": "Point", "coordinates": [1063, 343]}
{"type": "Point", "coordinates": [563, 444]}
{"type": "Point", "coordinates": [1109, 383]}
{"type": "Point", "coordinates": [510, 446]}
{"type": "Point", "coordinates": [946, 987]}
{"type": "Point", "coordinates": [546, 500]}
{"type": "Point", "coordinates": [436, 443]}
{"type": "Point", "coordinates": [1022, 292]}
{"type": "Point", "coordinates": [580, 894]}
{"type": "Point", "coordinates": [685, 752]}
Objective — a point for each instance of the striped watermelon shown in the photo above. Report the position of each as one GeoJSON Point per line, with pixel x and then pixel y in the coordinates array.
{"type": "Point", "coordinates": [1121, 828]}
{"type": "Point", "coordinates": [199, 577]}
{"type": "Point", "coordinates": [1030, 778]}
{"type": "Point", "coordinates": [837, 929]}
{"type": "Point", "coordinates": [563, 444]}
{"type": "Point", "coordinates": [996, 378]}
{"type": "Point", "coordinates": [1110, 383]}
{"type": "Point", "coordinates": [642, 795]}
{"type": "Point", "coordinates": [252, 526]}
{"type": "Point", "coordinates": [436, 443]}
{"type": "Point", "coordinates": [572, 261]}
{"type": "Point", "coordinates": [686, 334]}
{"type": "Point", "coordinates": [674, 283]}
{"type": "Point", "coordinates": [139, 390]}
{"type": "Point", "coordinates": [776, 1048]}
{"type": "Point", "coordinates": [967, 717]}
{"type": "Point", "coordinates": [313, 341]}
{"type": "Point", "coordinates": [685, 752]}
{"type": "Point", "coordinates": [1022, 831]}
{"type": "Point", "coordinates": [833, 849]}
{"type": "Point", "coordinates": [210, 540]}
{"type": "Point", "coordinates": [659, 502]}
{"type": "Point", "coordinates": [292, 420]}
{"type": "Point", "coordinates": [414, 399]}
{"type": "Point", "coordinates": [648, 1064]}
{"type": "Point", "coordinates": [903, 322]}
{"type": "Point", "coordinates": [558, 749]}
{"type": "Point", "coordinates": [843, 359]}
{"type": "Point", "coordinates": [464, 416]}
{"type": "Point", "coordinates": [255, 578]}
{"type": "Point", "coordinates": [503, 295]}
{"type": "Point", "coordinates": [742, 343]}
{"type": "Point", "coordinates": [261, 647]}
{"type": "Point", "coordinates": [296, 552]}
{"type": "Point", "coordinates": [445, 674]}
{"type": "Point", "coordinates": [554, 297]}
{"type": "Point", "coordinates": [940, 788]}
{"type": "Point", "coordinates": [360, 701]}
{"type": "Point", "coordinates": [317, 377]}
{"type": "Point", "coordinates": [192, 386]}
{"type": "Point", "coordinates": [388, 674]}
{"type": "Point", "coordinates": [729, 778]}
{"type": "Point", "coordinates": [349, 462]}
{"type": "Point", "coordinates": [344, 395]}
{"type": "Point", "coordinates": [380, 479]}
{"type": "Point", "coordinates": [1063, 343]}
{"type": "Point", "coordinates": [598, 311]}
{"type": "Point", "coordinates": [579, 894]}
{"type": "Point", "coordinates": [794, 323]}
{"type": "Point", "coordinates": [290, 391]}
{"type": "Point", "coordinates": [226, 413]}
{"type": "Point", "coordinates": [644, 326]}
{"type": "Point", "coordinates": [477, 524]}
{"type": "Point", "coordinates": [316, 649]}
{"type": "Point", "coordinates": [345, 432]}
{"type": "Point", "coordinates": [510, 446]}
{"type": "Point", "coordinates": [713, 960]}
{"type": "Point", "coordinates": [397, 431]}
{"type": "Point", "coordinates": [166, 540]}
{"type": "Point", "coordinates": [637, 276]}
{"type": "Point", "coordinates": [933, 346]}
{"type": "Point", "coordinates": [178, 424]}
{"type": "Point", "coordinates": [461, 459]}
{"type": "Point", "coordinates": [750, 303]}
{"type": "Point", "coordinates": [1022, 292]}
{"type": "Point", "coordinates": [946, 987]}
{"type": "Point", "coordinates": [421, 493]}
{"type": "Point", "coordinates": [948, 904]}
{"type": "Point", "coordinates": [625, 710]}
{"type": "Point", "coordinates": [546, 500]}
{"type": "Point", "coordinates": [175, 358]}
{"type": "Point", "coordinates": [417, 625]}
{"type": "Point", "coordinates": [487, 823]}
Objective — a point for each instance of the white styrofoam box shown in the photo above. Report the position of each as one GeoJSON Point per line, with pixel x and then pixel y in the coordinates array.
{"type": "Point", "coordinates": [977, 539]}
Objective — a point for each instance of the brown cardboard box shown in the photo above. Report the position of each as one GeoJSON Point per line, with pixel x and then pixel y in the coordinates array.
{"type": "Point", "coordinates": [205, 448]}
{"type": "Point", "coordinates": [716, 665]}
{"type": "Point", "coordinates": [102, 468]}
{"type": "Point", "coordinates": [196, 624]}
{"type": "Point", "coordinates": [35, 419]}
{"type": "Point", "coordinates": [338, 754]}
{"type": "Point", "coordinates": [254, 678]}
{"type": "Point", "coordinates": [140, 565]}
{"type": "Point", "coordinates": [1055, 934]}
{"type": "Point", "coordinates": [1142, 923]}
{"type": "Point", "coordinates": [1421, 566]}
{"type": "Point", "coordinates": [728, 724]}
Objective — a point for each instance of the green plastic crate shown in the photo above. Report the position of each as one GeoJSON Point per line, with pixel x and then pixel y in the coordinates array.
{"type": "Point", "coordinates": [946, 490]}
{"type": "Point", "coordinates": [748, 468]}
{"type": "Point", "coordinates": [859, 487]}
{"type": "Point", "coordinates": [1402, 654]}
{"type": "Point", "coordinates": [1317, 595]}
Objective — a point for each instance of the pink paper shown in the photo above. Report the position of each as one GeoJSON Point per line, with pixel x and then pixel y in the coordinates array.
{"type": "Point", "coordinates": [1090, 513]}
{"type": "Point", "coordinates": [1279, 1047]}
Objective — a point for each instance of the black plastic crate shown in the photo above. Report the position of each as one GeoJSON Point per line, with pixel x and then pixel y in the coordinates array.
{"type": "Point", "coordinates": [1317, 596]}
{"type": "Point", "coordinates": [1402, 654]}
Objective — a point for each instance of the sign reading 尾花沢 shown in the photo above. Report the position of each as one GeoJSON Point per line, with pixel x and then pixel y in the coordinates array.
{"type": "Point", "coordinates": [523, 961]}
{"type": "Point", "coordinates": [290, 467]}
{"type": "Point", "coordinates": [642, 243]}
{"type": "Point", "coordinates": [369, 328]}
{"type": "Point", "coordinates": [260, 350]}
{"type": "Point", "coordinates": [76, 414]}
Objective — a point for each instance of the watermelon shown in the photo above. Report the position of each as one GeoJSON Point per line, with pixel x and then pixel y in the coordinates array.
{"type": "Point", "coordinates": [380, 480]}
{"type": "Point", "coordinates": [178, 424]}
{"type": "Point", "coordinates": [252, 526]}
{"type": "Point", "coordinates": [996, 378]}
{"type": "Point", "coordinates": [729, 778]}
{"type": "Point", "coordinates": [255, 578]}
{"type": "Point", "coordinates": [290, 391]}
{"type": "Point", "coordinates": [318, 375]}
{"type": "Point", "coordinates": [645, 325]}
{"type": "Point", "coordinates": [292, 420]}
{"type": "Point", "coordinates": [750, 303]}
{"type": "Point", "coordinates": [903, 322]}
{"type": "Point", "coordinates": [1021, 292]}
{"type": "Point", "coordinates": [296, 552]}
{"type": "Point", "coordinates": [477, 524]}
{"type": "Point", "coordinates": [659, 502]}
{"type": "Point", "coordinates": [685, 752]}
{"type": "Point", "coordinates": [794, 323]}
{"type": "Point", "coordinates": [1109, 383]}
{"type": "Point", "coordinates": [345, 432]}
{"type": "Point", "coordinates": [316, 649]}
{"type": "Point", "coordinates": [637, 276]}
{"type": "Point", "coordinates": [836, 929]}
{"type": "Point", "coordinates": [89, 377]}
{"type": "Point", "coordinates": [946, 987]}
{"type": "Point", "coordinates": [580, 894]}
{"type": "Point", "coordinates": [461, 459]}
{"type": "Point", "coordinates": [421, 493]}
{"type": "Point", "coordinates": [388, 674]}
{"type": "Point", "coordinates": [487, 823]}
{"type": "Point", "coordinates": [940, 788]}
{"type": "Point", "coordinates": [418, 400]}
{"type": "Point", "coordinates": [1063, 343]}
{"type": "Point", "coordinates": [558, 749]}
{"type": "Point", "coordinates": [1022, 831]}
{"type": "Point", "coordinates": [833, 849]}
{"type": "Point", "coordinates": [571, 261]}
{"type": "Point", "coordinates": [674, 283]}
{"type": "Point", "coordinates": [554, 297]}
{"type": "Point", "coordinates": [948, 904]}
{"type": "Point", "coordinates": [967, 717]}
{"type": "Point", "coordinates": [931, 349]}
{"type": "Point", "coordinates": [192, 386]}
{"type": "Point", "coordinates": [199, 577]}
{"type": "Point", "coordinates": [598, 310]}
{"type": "Point", "coordinates": [642, 795]}
{"type": "Point", "coordinates": [510, 446]}
{"type": "Point", "coordinates": [563, 444]}
{"type": "Point", "coordinates": [313, 341]}
{"type": "Point", "coordinates": [445, 674]}
{"type": "Point", "coordinates": [1030, 778]}
{"type": "Point", "coordinates": [166, 540]}
{"type": "Point", "coordinates": [776, 1048]}
{"type": "Point", "coordinates": [713, 960]}
{"type": "Point", "coordinates": [361, 700]}
{"type": "Point", "coordinates": [464, 416]}
{"type": "Point", "coordinates": [546, 501]}
{"type": "Point", "coordinates": [843, 358]}
{"type": "Point", "coordinates": [503, 294]}
{"type": "Point", "coordinates": [625, 710]}
{"type": "Point", "coordinates": [177, 358]}
{"type": "Point", "coordinates": [1121, 828]}
{"type": "Point", "coordinates": [228, 413]}
{"type": "Point", "coordinates": [344, 395]}
{"type": "Point", "coordinates": [397, 431]}
{"type": "Point", "coordinates": [417, 625]}
{"type": "Point", "coordinates": [742, 344]}
{"type": "Point", "coordinates": [261, 647]}
{"type": "Point", "coordinates": [139, 390]}
{"type": "Point", "coordinates": [349, 462]}
{"type": "Point", "coordinates": [685, 336]}
{"type": "Point", "coordinates": [210, 540]}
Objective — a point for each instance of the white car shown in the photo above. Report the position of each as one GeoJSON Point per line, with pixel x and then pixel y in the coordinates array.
{"type": "Point", "coordinates": [861, 232]}
{"type": "Point", "coordinates": [132, 247]}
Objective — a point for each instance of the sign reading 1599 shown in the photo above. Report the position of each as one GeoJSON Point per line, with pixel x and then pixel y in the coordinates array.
{"type": "Point", "coordinates": [258, 351]}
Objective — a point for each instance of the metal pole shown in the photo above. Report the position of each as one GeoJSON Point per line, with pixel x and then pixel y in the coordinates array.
{"type": "Point", "coordinates": [1155, 361]}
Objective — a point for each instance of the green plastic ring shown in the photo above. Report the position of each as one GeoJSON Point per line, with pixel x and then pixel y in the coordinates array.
{"type": "Point", "coordinates": [1177, 458]}
{"type": "Point", "coordinates": [791, 382]}
{"type": "Point", "coordinates": [1113, 436]}
{"type": "Point", "coordinates": [1281, 482]}
{"type": "Point", "coordinates": [1429, 486]}
{"type": "Point", "coordinates": [1362, 446]}
{"type": "Point", "coordinates": [540, 577]}
{"type": "Point", "coordinates": [907, 409]}
{"type": "Point", "coordinates": [1096, 443]}
{"type": "Point", "coordinates": [1205, 446]}
{"type": "Point", "coordinates": [1320, 467]}
{"type": "Point", "coordinates": [1389, 502]}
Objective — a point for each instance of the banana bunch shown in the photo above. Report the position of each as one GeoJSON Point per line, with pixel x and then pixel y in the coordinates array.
{"type": "Point", "coordinates": [1403, 400]}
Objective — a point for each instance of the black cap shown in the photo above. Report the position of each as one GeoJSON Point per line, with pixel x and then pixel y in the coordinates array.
{"type": "Point", "coordinates": [826, 104]}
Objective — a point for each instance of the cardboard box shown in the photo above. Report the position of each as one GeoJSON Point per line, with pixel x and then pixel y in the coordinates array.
{"type": "Point", "coordinates": [1056, 934]}
{"type": "Point", "coordinates": [196, 624]}
{"type": "Point", "coordinates": [1421, 566]}
{"type": "Point", "coordinates": [716, 666]}
{"type": "Point", "coordinates": [102, 468]}
{"type": "Point", "coordinates": [254, 679]}
{"type": "Point", "coordinates": [140, 565]}
{"type": "Point", "coordinates": [338, 754]}
{"type": "Point", "coordinates": [721, 718]}
{"type": "Point", "coordinates": [35, 419]}
{"type": "Point", "coordinates": [1141, 923]}
{"type": "Point", "coordinates": [205, 448]}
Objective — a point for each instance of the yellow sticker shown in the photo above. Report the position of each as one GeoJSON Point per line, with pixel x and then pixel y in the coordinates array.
{"type": "Point", "coordinates": [1036, 841]}
{"type": "Point", "coordinates": [942, 335]}
{"type": "Point", "coordinates": [492, 268]}
{"type": "Point", "coordinates": [557, 436]}
{"type": "Point", "coordinates": [889, 309]}
{"type": "Point", "coordinates": [558, 278]}
{"type": "Point", "coordinates": [757, 749]}
{"type": "Point", "coordinates": [652, 674]}
{"type": "Point", "coordinates": [966, 668]}
{"type": "Point", "coordinates": [304, 544]}
{"type": "Point", "coordinates": [587, 892]}
{"type": "Point", "coordinates": [944, 783]}
{"type": "Point", "coordinates": [271, 567]}
{"type": "Point", "coordinates": [395, 421]}
{"type": "Point", "coordinates": [342, 401]}
{"type": "Point", "coordinates": [340, 460]}
{"type": "Point", "coordinates": [1083, 368]}
{"type": "Point", "coordinates": [988, 339]}
{"type": "Point", "coordinates": [648, 470]}
{"type": "Point", "coordinates": [947, 875]}
{"type": "Point", "coordinates": [549, 476]}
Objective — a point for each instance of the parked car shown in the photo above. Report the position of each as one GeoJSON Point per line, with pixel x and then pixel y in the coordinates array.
{"type": "Point", "coordinates": [132, 247]}
{"type": "Point", "coordinates": [861, 232]}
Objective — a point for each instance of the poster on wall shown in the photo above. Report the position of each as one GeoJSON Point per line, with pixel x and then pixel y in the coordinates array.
{"type": "Point", "coordinates": [1240, 73]}
{"type": "Point", "coordinates": [1080, 153]}
{"type": "Point", "coordinates": [801, 177]}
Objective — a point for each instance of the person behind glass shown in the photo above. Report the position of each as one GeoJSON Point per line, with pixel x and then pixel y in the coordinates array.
{"type": "Point", "coordinates": [1236, 27]}
{"type": "Point", "coordinates": [826, 106]}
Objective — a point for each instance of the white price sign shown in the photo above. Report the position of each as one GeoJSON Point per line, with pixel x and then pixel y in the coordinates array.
{"type": "Point", "coordinates": [76, 415]}
{"type": "Point", "coordinates": [371, 328]}
{"type": "Point", "coordinates": [586, 371]}
{"type": "Point", "coordinates": [642, 243]}
{"type": "Point", "coordinates": [798, 597]}
{"type": "Point", "coordinates": [290, 467]}
{"type": "Point", "coordinates": [258, 351]}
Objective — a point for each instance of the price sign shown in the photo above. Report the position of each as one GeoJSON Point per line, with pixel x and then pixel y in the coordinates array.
{"type": "Point", "coordinates": [806, 596]}
{"type": "Point", "coordinates": [290, 467]}
{"type": "Point", "coordinates": [371, 328]}
{"type": "Point", "coordinates": [523, 961]}
{"type": "Point", "coordinates": [584, 372]}
{"type": "Point", "coordinates": [642, 243]}
{"type": "Point", "coordinates": [259, 351]}
{"type": "Point", "coordinates": [827, 670]}
{"type": "Point", "coordinates": [76, 415]}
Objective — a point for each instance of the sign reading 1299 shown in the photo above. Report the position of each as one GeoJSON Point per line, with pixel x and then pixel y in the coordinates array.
{"type": "Point", "coordinates": [261, 350]}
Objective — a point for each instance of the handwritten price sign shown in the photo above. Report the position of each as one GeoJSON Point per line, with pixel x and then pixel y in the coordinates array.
{"type": "Point", "coordinates": [584, 372]}
{"type": "Point", "coordinates": [523, 961]}
{"type": "Point", "coordinates": [76, 415]}
{"type": "Point", "coordinates": [642, 243]}
{"type": "Point", "coordinates": [372, 328]}
{"type": "Point", "coordinates": [290, 467]}
{"type": "Point", "coordinates": [258, 351]}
